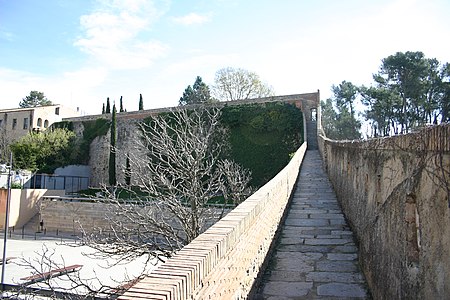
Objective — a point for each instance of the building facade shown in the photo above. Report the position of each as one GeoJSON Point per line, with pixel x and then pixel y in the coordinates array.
{"type": "Point", "coordinates": [18, 122]}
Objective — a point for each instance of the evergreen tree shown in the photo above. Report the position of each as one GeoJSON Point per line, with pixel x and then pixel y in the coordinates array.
{"type": "Point", "coordinates": [127, 171]}
{"type": "Point", "coordinates": [108, 106]}
{"type": "Point", "coordinates": [338, 113]}
{"type": "Point", "coordinates": [35, 99]}
{"type": "Point", "coordinates": [121, 105]}
{"type": "Point", "coordinates": [198, 93]}
{"type": "Point", "coordinates": [409, 91]}
{"type": "Point", "coordinates": [141, 102]}
{"type": "Point", "coordinates": [103, 109]}
{"type": "Point", "coordinates": [112, 153]}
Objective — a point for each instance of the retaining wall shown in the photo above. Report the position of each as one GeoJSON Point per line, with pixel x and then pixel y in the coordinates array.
{"type": "Point", "coordinates": [24, 204]}
{"type": "Point", "coordinates": [224, 261]}
{"type": "Point", "coordinates": [128, 132]}
{"type": "Point", "coordinates": [395, 192]}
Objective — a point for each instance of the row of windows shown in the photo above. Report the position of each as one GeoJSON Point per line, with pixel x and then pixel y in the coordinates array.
{"type": "Point", "coordinates": [26, 123]}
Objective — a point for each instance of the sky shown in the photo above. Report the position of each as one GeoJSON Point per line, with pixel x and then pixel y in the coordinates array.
{"type": "Point", "coordinates": [79, 52]}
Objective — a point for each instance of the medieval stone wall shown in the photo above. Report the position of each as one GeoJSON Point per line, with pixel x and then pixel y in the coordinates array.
{"type": "Point", "coordinates": [128, 133]}
{"type": "Point", "coordinates": [395, 193]}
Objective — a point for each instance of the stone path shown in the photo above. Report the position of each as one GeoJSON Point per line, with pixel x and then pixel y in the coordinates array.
{"type": "Point", "coordinates": [316, 257]}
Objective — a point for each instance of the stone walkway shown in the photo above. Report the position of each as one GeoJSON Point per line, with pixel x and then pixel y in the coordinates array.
{"type": "Point", "coordinates": [316, 257]}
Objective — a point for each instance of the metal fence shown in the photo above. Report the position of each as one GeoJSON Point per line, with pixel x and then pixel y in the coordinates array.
{"type": "Point", "coordinates": [71, 184]}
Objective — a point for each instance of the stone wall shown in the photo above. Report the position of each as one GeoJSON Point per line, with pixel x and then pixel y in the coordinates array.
{"type": "Point", "coordinates": [395, 194]}
{"type": "Point", "coordinates": [224, 261]}
{"type": "Point", "coordinates": [127, 132]}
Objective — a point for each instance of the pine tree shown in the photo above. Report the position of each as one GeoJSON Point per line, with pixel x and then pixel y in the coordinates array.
{"type": "Point", "coordinates": [35, 99]}
{"type": "Point", "coordinates": [198, 93]}
{"type": "Point", "coordinates": [121, 105]}
{"type": "Point", "coordinates": [141, 102]}
{"type": "Point", "coordinates": [108, 106]}
{"type": "Point", "coordinates": [103, 109]}
{"type": "Point", "coordinates": [112, 153]}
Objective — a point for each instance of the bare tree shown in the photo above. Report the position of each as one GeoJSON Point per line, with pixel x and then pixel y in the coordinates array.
{"type": "Point", "coordinates": [180, 186]}
{"type": "Point", "coordinates": [239, 84]}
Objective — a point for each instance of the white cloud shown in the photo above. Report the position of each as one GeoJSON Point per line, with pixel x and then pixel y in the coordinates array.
{"type": "Point", "coordinates": [111, 34]}
{"type": "Point", "coordinates": [192, 19]}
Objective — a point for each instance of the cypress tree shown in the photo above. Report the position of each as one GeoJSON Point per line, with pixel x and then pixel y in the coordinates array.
{"type": "Point", "coordinates": [112, 153]}
{"type": "Point", "coordinates": [108, 106]}
{"type": "Point", "coordinates": [121, 105]}
{"type": "Point", "coordinates": [141, 102]}
{"type": "Point", "coordinates": [127, 171]}
{"type": "Point", "coordinates": [103, 109]}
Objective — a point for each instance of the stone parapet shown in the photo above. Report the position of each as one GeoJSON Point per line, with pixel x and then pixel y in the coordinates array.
{"type": "Point", "coordinates": [395, 194]}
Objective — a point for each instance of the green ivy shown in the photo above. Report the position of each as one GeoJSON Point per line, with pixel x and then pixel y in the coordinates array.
{"type": "Point", "coordinates": [63, 125]}
{"type": "Point", "coordinates": [262, 136]}
{"type": "Point", "coordinates": [92, 129]}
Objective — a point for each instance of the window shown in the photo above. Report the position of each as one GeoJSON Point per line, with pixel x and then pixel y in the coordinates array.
{"type": "Point", "coordinates": [1, 123]}
{"type": "Point", "coordinates": [14, 124]}
{"type": "Point", "coordinates": [314, 114]}
{"type": "Point", "coordinates": [39, 122]}
{"type": "Point", "coordinates": [25, 123]}
{"type": "Point", "coordinates": [57, 111]}
{"type": "Point", "coordinates": [45, 123]}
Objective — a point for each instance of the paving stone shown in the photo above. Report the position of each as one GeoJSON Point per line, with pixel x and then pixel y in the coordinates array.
{"type": "Point", "coordinates": [336, 266]}
{"type": "Point", "coordinates": [300, 255]}
{"type": "Point", "coordinates": [290, 264]}
{"type": "Point", "coordinates": [328, 216]}
{"type": "Point", "coordinates": [315, 211]}
{"type": "Point", "coordinates": [285, 275]}
{"type": "Point", "coordinates": [330, 236]}
{"type": "Point", "coordinates": [287, 289]}
{"type": "Point", "coordinates": [306, 222]}
{"type": "Point", "coordinates": [305, 248]}
{"type": "Point", "coordinates": [341, 232]}
{"type": "Point", "coordinates": [297, 215]}
{"type": "Point", "coordinates": [317, 241]}
{"type": "Point", "coordinates": [291, 240]}
{"type": "Point", "coordinates": [342, 256]}
{"type": "Point", "coordinates": [341, 290]}
{"type": "Point", "coordinates": [345, 277]}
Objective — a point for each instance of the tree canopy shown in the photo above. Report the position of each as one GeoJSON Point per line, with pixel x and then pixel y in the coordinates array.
{"type": "Point", "coordinates": [35, 99]}
{"type": "Point", "coordinates": [198, 93]}
{"type": "Point", "coordinates": [239, 84]}
{"type": "Point", "coordinates": [409, 91]}
{"type": "Point", "coordinates": [338, 113]}
{"type": "Point", "coordinates": [44, 151]}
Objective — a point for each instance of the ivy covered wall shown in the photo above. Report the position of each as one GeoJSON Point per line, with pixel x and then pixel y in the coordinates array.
{"type": "Point", "coordinates": [263, 136]}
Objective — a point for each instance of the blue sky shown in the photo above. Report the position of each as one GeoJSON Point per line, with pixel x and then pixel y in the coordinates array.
{"type": "Point", "coordinates": [79, 52]}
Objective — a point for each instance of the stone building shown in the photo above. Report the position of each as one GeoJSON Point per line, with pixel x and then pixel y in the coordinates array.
{"type": "Point", "coordinates": [17, 122]}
